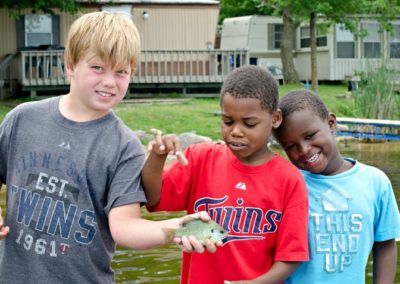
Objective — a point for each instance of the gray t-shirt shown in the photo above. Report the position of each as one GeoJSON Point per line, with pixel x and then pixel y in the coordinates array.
{"type": "Point", "coordinates": [63, 177]}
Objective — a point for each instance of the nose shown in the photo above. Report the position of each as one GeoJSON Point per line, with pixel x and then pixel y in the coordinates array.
{"type": "Point", "coordinates": [236, 130]}
{"type": "Point", "coordinates": [108, 79]}
{"type": "Point", "coordinates": [303, 148]}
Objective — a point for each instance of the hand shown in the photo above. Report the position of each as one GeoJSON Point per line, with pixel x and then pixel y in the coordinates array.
{"type": "Point", "coordinates": [162, 145]}
{"type": "Point", "coordinates": [3, 229]}
{"type": "Point", "coordinates": [192, 244]}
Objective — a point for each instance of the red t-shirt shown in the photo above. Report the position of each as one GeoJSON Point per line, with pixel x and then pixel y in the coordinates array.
{"type": "Point", "coordinates": [264, 208]}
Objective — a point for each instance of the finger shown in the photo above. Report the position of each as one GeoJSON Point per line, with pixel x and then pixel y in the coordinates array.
{"type": "Point", "coordinates": [158, 137]}
{"type": "Point", "coordinates": [196, 245]}
{"type": "Point", "coordinates": [209, 246]}
{"type": "Point", "coordinates": [150, 145]}
{"type": "Point", "coordinates": [203, 215]}
{"type": "Point", "coordinates": [177, 241]}
{"type": "Point", "coordinates": [186, 245]}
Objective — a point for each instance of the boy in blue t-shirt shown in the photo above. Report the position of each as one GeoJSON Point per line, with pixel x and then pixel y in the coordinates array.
{"type": "Point", "coordinates": [352, 209]}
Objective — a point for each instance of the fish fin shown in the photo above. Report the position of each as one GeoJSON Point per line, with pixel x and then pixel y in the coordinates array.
{"type": "Point", "coordinates": [187, 220]}
{"type": "Point", "coordinates": [169, 234]}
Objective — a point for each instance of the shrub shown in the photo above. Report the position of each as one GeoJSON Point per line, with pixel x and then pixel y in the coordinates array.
{"type": "Point", "coordinates": [376, 96]}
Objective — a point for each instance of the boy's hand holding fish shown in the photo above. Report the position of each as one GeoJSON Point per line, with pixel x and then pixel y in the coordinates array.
{"type": "Point", "coordinates": [196, 233]}
{"type": "Point", "coordinates": [163, 144]}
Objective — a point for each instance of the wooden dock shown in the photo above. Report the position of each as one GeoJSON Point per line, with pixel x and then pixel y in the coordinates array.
{"type": "Point", "coordinates": [374, 129]}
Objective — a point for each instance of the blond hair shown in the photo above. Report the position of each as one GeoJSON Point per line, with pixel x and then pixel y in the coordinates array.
{"type": "Point", "coordinates": [112, 37]}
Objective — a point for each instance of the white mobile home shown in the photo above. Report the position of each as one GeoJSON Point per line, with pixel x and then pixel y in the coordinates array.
{"type": "Point", "coordinates": [259, 34]}
{"type": "Point", "coordinates": [340, 53]}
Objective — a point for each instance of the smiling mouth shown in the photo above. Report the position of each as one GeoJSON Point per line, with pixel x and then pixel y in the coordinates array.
{"type": "Point", "coordinates": [105, 94]}
{"type": "Point", "coordinates": [312, 159]}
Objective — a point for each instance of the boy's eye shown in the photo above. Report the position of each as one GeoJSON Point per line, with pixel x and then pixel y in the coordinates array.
{"type": "Point", "coordinates": [97, 67]}
{"type": "Point", "coordinates": [227, 122]}
{"type": "Point", "coordinates": [308, 137]}
{"type": "Point", "coordinates": [123, 72]}
{"type": "Point", "coordinates": [250, 125]}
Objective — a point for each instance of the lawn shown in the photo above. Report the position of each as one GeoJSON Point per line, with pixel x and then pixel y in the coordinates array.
{"type": "Point", "coordinates": [200, 115]}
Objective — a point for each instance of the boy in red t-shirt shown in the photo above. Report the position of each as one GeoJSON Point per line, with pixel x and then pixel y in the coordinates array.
{"type": "Point", "coordinates": [253, 193]}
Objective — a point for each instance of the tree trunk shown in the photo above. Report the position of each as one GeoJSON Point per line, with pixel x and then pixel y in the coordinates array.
{"type": "Point", "coordinates": [289, 72]}
{"type": "Point", "coordinates": [313, 50]}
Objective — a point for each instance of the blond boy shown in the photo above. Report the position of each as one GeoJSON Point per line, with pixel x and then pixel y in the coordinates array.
{"type": "Point", "coordinates": [72, 167]}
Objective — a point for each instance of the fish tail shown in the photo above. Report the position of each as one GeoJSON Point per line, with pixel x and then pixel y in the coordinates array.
{"type": "Point", "coordinates": [169, 234]}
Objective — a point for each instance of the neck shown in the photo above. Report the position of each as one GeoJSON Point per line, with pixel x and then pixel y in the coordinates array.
{"type": "Point", "coordinates": [345, 166]}
{"type": "Point", "coordinates": [78, 112]}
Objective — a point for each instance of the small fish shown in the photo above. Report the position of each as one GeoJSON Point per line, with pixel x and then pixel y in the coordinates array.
{"type": "Point", "coordinates": [201, 230]}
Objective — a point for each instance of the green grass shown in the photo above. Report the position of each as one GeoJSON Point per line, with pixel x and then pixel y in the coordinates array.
{"type": "Point", "coordinates": [200, 115]}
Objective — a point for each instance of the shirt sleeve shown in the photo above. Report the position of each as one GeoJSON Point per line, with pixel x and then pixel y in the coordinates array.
{"type": "Point", "coordinates": [5, 138]}
{"type": "Point", "coordinates": [387, 225]}
{"type": "Point", "coordinates": [292, 242]}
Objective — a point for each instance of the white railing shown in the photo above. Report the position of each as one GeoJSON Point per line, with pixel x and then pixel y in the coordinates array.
{"type": "Point", "coordinates": [46, 68]}
{"type": "Point", "coordinates": [344, 68]}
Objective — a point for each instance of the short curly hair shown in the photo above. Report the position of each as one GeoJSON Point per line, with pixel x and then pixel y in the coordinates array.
{"type": "Point", "coordinates": [302, 100]}
{"type": "Point", "coordinates": [250, 81]}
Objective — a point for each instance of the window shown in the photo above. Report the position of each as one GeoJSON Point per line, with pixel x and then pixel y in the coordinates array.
{"type": "Point", "coordinates": [395, 42]}
{"type": "Point", "coordinates": [345, 43]}
{"type": "Point", "coordinates": [372, 42]}
{"type": "Point", "coordinates": [278, 30]}
{"type": "Point", "coordinates": [305, 38]}
{"type": "Point", "coordinates": [38, 30]}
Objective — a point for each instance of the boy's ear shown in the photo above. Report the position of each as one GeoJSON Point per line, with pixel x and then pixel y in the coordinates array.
{"type": "Point", "coordinates": [276, 118]}
{"type": "Point", "coordinates": [69, 68]}
{"type": "Point", "coordinates": [332, 121]}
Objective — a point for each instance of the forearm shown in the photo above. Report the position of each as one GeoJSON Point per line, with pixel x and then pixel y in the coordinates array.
{"type": "Point", "coordinates": [384, 262]}
{"type": "Point", "coordinates": [152, 177]}
{"type": "Point", "coordinates": [129, 230]}
{"type": "Point", "coordinates": [146, 234]}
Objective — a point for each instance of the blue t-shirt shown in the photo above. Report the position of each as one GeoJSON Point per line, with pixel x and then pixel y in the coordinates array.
{"type": "Point", "coordinates": [348, 212]}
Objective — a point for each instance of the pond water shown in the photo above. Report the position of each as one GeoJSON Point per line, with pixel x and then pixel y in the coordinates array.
{"type": "Point", "coordinates": [162, 265]}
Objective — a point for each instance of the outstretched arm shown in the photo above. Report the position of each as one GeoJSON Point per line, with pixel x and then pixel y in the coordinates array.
{"type": "Point", "coordinates": [129, 230]}
{"type": "Point", "coordinates": [276, 275]}
{"type": "Point", "coordinates": [384, 262]}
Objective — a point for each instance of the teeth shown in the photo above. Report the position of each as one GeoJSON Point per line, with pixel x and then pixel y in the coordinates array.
{"type": "Point", "coordinates": [103, 94]}
{"type": "Point", "coordinates": [313, 158]}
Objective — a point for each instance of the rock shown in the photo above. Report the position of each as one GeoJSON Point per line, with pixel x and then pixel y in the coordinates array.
{"type": "Point", "coordinates": [186, 139]}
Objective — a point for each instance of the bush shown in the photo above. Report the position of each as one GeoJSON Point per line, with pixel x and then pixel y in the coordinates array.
{"type": "Point", "coordinates": [376, 97]}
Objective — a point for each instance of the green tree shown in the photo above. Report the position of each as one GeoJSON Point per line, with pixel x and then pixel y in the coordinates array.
{"type": "Point", "coordinates": [46, 6]}
{"type": "Point", "coordinates": [236, 8]}
{"type": "Point", "coordinates": [325, 14]}
{"type": "Point", "coordinates": [318, 14]}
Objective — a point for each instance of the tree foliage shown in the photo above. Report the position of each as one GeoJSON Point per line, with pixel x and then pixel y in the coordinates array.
{"type": "Point", "coordinates": [16, 7]}
{"type": "Point", "coordinates": [237, 8]}
{"type": "Point", "coordinates": [323, 14]}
